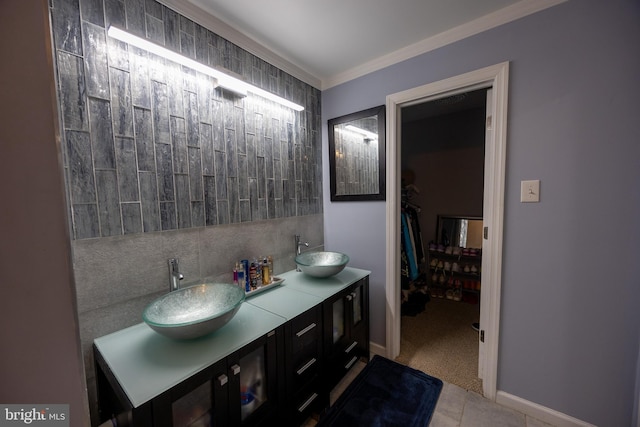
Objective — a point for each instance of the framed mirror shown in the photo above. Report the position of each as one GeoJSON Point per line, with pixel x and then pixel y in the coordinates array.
{"type": "Point", "coordinates": [357, 155]}
{"type": "Point", "coordinates": [459, 231]}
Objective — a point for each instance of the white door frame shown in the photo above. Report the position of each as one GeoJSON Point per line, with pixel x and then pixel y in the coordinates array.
{"type": "Point", "coordinates": [496, 77]}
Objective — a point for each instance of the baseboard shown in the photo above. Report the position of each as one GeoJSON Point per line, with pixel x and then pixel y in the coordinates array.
{"type": "Point", "coordinates": [376, 349]}
{"type": "Point", "coordinates": [539, 412]}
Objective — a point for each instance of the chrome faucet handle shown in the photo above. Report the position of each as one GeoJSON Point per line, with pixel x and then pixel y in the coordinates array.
{"type": "Point", "coordinates": [174, 275]}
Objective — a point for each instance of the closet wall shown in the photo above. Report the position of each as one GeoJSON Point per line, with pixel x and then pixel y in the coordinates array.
{"type": "Point", "coordinates": [446, 154]}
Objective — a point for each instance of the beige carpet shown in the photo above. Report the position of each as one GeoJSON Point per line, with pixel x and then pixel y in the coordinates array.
{"type": "Point", "coordinates": [440, 342]}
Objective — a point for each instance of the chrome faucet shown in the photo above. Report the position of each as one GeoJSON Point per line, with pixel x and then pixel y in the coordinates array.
{"type": "Point", "coordinates": [174, 275]}
{"type": "Point", "coordinates": [298, 245]}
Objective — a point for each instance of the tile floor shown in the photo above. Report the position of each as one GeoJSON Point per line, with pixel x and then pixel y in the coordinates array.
{"type": "Point", "coordinates": [457, 407]}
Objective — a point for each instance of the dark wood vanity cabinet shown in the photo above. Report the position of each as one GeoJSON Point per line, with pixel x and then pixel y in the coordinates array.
{"type": "Point", "coordinates": [346, 330]}
{"type": "Point", "coordinates": [275, 363]}
{"type": "Point", "coordinates": [239, 390]}
{"type": "Point", "coordinates": [303, 366]}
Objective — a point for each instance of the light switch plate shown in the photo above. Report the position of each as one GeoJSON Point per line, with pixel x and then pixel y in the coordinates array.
{"type": "Point", "coordinates": [530, 191]}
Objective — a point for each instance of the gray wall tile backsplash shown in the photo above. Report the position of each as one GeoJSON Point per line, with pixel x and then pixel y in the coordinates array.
{"type": "Point", "coordinates": [151, 145]}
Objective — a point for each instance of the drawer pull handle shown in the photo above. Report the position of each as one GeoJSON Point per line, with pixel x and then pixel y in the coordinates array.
{"type": "Point", "coordinates": [306, 366]}
{"type": "Point", "coordinates": [235, 369]}
{"type": "Point", "coordinates": [222, 379]}
{"type": "Point", "coordinates": [308, 402]}
{"type": "Point", "coordinates": [305, 330]}
{"type": "Point", "coordinates": [351, 347]}
{"type": "Point", "coordinates": [351, 362]}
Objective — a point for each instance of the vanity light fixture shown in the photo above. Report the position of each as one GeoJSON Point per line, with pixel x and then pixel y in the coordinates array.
{"type": "Point", "coordinates": [228, 82]}
{"type": "Point", "coordinates": [366, 133]}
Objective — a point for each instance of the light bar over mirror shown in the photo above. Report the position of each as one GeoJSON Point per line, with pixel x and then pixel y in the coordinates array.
{"type": "Point", "coordinates": [224, 80]}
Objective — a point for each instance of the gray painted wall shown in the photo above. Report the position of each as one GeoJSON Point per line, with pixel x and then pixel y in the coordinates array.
{"type": "Point", "coordinates": [569, 321]}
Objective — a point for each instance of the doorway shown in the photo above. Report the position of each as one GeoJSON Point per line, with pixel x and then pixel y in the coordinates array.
{"type": "Point", "coordinates": [442, 158]}
{"type": "Point", "coordinates": [496, 78]}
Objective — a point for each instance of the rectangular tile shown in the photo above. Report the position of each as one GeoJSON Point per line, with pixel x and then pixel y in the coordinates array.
{"type": "Point", "coordinates": [153, 8]}
{"type": "Point", "coordinates": [202, 44]}
{"type": "Point", "coordinates": [149, 201]}
{"type": "Point", "coordinates": [192, 119]}
{"type": "Point", "coordinates": [97, 69]}
{"type": "Point", "coordinates": [230, 150]}
{"type": "Point", "coordinates": [101, 134]}
{"type": "Point", "coordinates": [223, 211]}
{"type": "Point", "coordinates": [197, 214]}
{"type": "Point", "coordinates": [82, 181]}
{"type": "Point", "coordinates": [135, 17]}
{"type": "Point", "coordinates": [207, 151]}
{"type": "Point", "coordinates": [108, 203]}
{"type": "Point", "coordinates": [168, 218]}
{"type": "Point", "coordinates": [144, 140]}
{"type": "Point", "coordinates": [205, 87]}
{"type": "Point", "coordinates": [114, 11]}
{"type": "Point", "coordinates": [85, 221]}
{"type": "Point", "coordinates": [221, 175]}
{"type": "Point", "coordinates": [131, 218]}
{"type": "Point", "coordinates": [121, 106]}
{"type": "Point", "coordinates": [179, 145]}
{"type": "Point", "coordinates": [127, 170]}
{"type": "Point", "coordinates": [164, 167]}
{"type": "Point", "coordinates": [175, 81]}
{"type": "Point", "coordinates": [183, 202]}
{"type": "Point", "coordinates": [195, 174]}
{"type": "Point", "coordinates": [72, 91]}
{"type": "Point", "coordinates": [160, 110]}
{"type": "Point", "coordinates": [155, 29]}
{"type": "Point", "coordinates": [172, 30]}
{"type": "Point", "coordinates": [243, 177]}
{"type": "Point", "coordinates": [210, 205]}
{"type": "Point", "coordinates": [140, 84]}
{"type": "Point", "coordinates": [92, 11]}
{"type": "Point", "coordinates": [65, 19]}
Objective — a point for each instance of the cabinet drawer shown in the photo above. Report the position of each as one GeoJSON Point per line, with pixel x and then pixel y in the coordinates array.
{"type": "Point", "coordinates": [305, 372]}
{"type": "Point", "coordinates": [306, 330]}
{"type": "Point", "coordinates": [309, 400]}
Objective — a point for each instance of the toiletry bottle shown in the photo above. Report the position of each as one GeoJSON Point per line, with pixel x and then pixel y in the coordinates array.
{"type": "Point", "coordinates": [266, 272]}
{"type": "Point", "coordinates": [241, 278]}
{"type": "Point", "coordinates": [252, 276]}
{"type": "Point", "coordinates": [245, 270]}
{"type": "Point", "coordinates": [235, 275]}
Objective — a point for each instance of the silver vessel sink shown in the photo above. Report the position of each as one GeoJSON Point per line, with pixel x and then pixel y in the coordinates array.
{"type": "Point", "coordinates": [322, 264]}
{"type": "Point", "coordinates": [194, 311]}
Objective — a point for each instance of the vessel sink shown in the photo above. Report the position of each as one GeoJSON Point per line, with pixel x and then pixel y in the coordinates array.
{"type": "Point", "coordinates": [194, 311]}
{"type": "Point", "coordinates": [322, 264]}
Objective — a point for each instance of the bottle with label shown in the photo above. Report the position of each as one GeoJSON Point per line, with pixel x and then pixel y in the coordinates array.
{"type": "Point", "coordinates": [253, 276]}
{"type": "Point", "coordinates": [266, 272]}
{"type": "Point", "coordinates": [240, 273]}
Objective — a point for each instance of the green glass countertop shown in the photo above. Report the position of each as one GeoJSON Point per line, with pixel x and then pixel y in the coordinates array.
{"type": "Point", "coordinates": [146, 364]}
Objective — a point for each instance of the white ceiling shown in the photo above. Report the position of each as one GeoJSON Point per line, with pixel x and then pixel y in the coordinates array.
{"type": "Point", "coordinates": [327, 42]}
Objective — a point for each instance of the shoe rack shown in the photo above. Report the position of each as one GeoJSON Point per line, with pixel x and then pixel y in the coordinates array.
{"type": "Point", "coordinates": [454, 273]}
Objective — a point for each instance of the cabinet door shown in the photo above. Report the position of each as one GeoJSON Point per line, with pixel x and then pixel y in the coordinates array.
{"type": "Point", "coordinates": [346, 338]}
{"type": "Point", "coordinates": [196, 402]}
{"type": "Point", "coordinates": [359, 321]}
{"type": "Point", "coordinates": [253, 383]}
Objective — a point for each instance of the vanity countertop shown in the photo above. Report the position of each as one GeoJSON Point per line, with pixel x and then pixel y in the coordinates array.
{"type": "Point", "coordinates": [146, 364]}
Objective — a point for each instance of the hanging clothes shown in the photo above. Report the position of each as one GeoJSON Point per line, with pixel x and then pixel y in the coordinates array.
{"type": "Point", "coordinates": [408, 247]}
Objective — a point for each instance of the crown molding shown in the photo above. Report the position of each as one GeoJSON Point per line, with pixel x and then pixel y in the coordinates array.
{"type": "Point", "coordinates": [508, 14]}
{"type": "Point", "coordinates": [190, 10]}
{"type": "Point", "coordinates": [487, 22]}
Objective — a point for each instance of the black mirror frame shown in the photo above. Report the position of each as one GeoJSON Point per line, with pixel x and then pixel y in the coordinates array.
{"type": "Point", "coordinates": [380, 112]}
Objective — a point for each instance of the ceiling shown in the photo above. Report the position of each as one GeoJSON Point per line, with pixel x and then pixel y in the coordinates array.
{"type": "Point", "coordinates": [328, 42]}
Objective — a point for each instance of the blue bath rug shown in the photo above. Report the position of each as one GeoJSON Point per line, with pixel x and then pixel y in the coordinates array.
{"type": "Point", "coordinates": [385, 394]}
